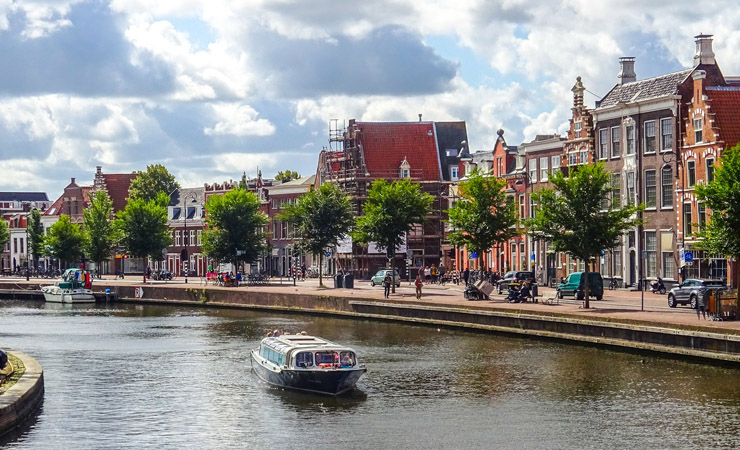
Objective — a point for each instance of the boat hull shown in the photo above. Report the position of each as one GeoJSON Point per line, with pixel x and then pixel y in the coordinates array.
{"type": "Point", "coordinates": [320, 381]}
{"type": "Point", "coordinates": [57, 295]}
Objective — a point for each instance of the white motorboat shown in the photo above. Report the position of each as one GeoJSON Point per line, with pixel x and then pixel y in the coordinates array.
{"type": "Point", "coordinates": [307, 363]}
{"type": "Point", "coordinates": [74, 287]}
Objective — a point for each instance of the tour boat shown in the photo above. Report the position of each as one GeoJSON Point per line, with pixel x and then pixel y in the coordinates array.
{"type": "Point", "coordinates": [307, 363]}
{"type": "Point", "coordinates": [74, 287]}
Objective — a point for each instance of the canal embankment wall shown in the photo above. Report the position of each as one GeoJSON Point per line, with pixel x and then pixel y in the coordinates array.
{"type": "Point", "coordinates": [635, 335]}
{"type": "Point", "coordinates": [22, 399]}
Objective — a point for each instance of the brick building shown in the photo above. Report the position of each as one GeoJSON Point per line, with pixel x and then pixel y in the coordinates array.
{"type": "Point", "coordinates": [423, 152]}
{"type": "Point", "coordinates": [711, 125]}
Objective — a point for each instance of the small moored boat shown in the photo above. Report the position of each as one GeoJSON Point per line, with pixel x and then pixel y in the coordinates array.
{"type": "Point", "coordinates": [307, 363]}
{"type": "Point", "coordinates": [74, 287]}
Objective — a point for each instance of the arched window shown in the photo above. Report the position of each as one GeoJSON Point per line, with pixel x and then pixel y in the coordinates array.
{"type": "Point", "coordinates": [667, 187]}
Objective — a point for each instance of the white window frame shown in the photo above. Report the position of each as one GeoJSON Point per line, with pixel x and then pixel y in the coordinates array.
{"type": "Point", "coordinates": [544, 168]}
{"type": "Point", "coordinates": [663, 146]}
{"type": "Point", "coordinates": [616, 147]}
{"type": "Point", "coordinates": [533, 170]}
{"type": "Point", "coordinates": [691, 173]}
{"type": "Point", "coordinates": [629, 139]}
{"type": "Point", "coordinates": [648, 137]}
{"type": "Point", "coordinates": [698, 130]}
{"type": "Point", "coordinates": [454, 173]}
{"type": "Point", "coordinates": [603, 143]}
{"type": "Point", "coordinates": [555, 160]}
{"type": "Point", "coordinates": [654, 188]}
{"type": "Point", "coordinates": [578, 129]}
{"type": "Point", "coordinates": [666, 195]}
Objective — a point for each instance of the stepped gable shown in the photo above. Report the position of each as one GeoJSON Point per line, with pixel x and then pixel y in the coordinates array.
{"type": "Point", "coordinates": [725, 106]}
{"type": "Point", "coordinates": [645, 89]}
{"type": "Point", "coordinates": [386, 144]}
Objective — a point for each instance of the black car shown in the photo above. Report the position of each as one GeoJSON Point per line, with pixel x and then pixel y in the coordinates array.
{"type": "Point", "coordinates": [690, 291]}
{"type": "Point", "coordinates": [513, 276]}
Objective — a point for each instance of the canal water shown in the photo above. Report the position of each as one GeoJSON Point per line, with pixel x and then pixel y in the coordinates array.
{"type": "Point", "coordinates": [131, 376]}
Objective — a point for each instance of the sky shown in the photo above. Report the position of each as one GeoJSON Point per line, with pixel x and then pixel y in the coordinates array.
{"type": "Point", "coordinates": [215, 88]}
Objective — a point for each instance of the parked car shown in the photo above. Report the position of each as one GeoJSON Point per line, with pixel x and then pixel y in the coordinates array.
{"type": "Point", "coordinates": [574, 285]}
{"type": "Point", "coordinates": [513, 276]}
{"type": "Point", "coordinates": [378, 278]}
{"type": "Point", "coordinates": [689, 291]}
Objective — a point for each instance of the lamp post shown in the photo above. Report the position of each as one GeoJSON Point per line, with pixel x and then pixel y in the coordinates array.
{"type": "Point", "coordinates": [27, 254]}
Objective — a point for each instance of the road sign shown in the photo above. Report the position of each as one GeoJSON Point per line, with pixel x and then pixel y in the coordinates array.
{"type": "Point", "coordinates": [474, 255]}
{"type": "Point", "coordinates": [688, 256]}
{"type": "Point", "coordinates": [328, 254]}
{"type": "Point", "coordinates": [532, 256]}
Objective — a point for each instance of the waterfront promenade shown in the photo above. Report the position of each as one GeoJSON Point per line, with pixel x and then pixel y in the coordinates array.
{"type": "Point", "coordinates": [617, 306]}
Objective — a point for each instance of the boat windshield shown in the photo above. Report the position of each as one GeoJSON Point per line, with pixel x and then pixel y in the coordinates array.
{"type": "Point", "coordinates": [304, 359]}
{"type": "Point", "coordinates": [326, 358]}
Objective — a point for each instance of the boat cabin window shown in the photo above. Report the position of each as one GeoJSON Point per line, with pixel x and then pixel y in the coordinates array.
{"type": "Point", "coordinates": [347, 359]}
{"type": "Point", "coordinates": [304, 359]}
{"type": "Point", "coordinates": [326, 358]}
{"type": "Point", "coordinates": [271, 355]}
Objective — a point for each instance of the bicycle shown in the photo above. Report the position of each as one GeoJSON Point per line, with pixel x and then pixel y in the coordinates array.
{"type": "Point", "coordinates": [614, 284]}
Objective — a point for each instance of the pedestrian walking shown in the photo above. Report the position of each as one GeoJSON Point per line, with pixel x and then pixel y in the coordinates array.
{"type": "Point", "coordinates": [387, 284]}
{"type": "Point", "coordinates": [466, 275]}
{"type": "Point", "coordinates": [419, 284]}
{"type": "Point", "coordinates": [701, 305]}
{"type": "Point", "coordinates": [428, 274]}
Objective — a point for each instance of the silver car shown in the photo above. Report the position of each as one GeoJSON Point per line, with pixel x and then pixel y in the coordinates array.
{"type": "Point", "coordinates": [690, 291]}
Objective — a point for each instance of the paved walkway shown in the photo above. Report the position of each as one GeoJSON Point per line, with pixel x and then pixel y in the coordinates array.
{"type": "Point", "coordinates": [618, 305]}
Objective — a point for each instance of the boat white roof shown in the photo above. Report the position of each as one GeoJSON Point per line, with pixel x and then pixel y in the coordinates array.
{"type": "Point", "coordinates": [288, 342]}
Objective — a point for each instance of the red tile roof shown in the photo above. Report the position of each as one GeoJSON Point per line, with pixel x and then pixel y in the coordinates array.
{"type": "Point", "coordinates": [725, 104]}
{"type": "Point", "coordinates": [386, 144]}
{"type": "Point", "coordinates": [118, 185]}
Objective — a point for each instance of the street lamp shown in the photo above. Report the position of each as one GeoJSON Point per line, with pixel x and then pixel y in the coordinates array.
{"type": "Point", "coordinates": [27, 254]}
{"type": "Point", "coordinates": [185, 239]}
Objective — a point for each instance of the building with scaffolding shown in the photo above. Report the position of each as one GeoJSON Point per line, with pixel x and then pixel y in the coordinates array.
{"type": "Point", "coordinates": [425, 152]}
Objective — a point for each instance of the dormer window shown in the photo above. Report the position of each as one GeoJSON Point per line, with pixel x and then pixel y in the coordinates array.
{"type": "Point", "coordinates": [454, 173]}
{"type": "Point", "coordinates": [405, 170]}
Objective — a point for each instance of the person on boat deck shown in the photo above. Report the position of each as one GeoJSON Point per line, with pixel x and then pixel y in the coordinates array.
{"type": "Point", "coordinates": [347, 360]}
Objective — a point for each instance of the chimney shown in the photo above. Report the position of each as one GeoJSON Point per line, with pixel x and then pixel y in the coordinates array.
{"type": "Point", "coordinates": [419, 117]}
{"type": "Point", "coordinates": [73, 180]}
{"type": "Point", "coordinates": [99, 169]}
{"type": "Point", "coordinates": [704, 53]}
{"type": "Point", "coordinates": [626, 70]}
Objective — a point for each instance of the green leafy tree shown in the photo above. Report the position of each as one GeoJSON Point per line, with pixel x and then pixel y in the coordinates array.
{"type": "Point", "coordinates": [65, 241]}
{"type": "Point", "coordinates": [98, 228]}
{"type": "Point", "coordinates": [35, 235]}
{"type": "Point", "coordinates": [722, 197]}
{"type": "Point", "coordinates": [142, 227]}
{"type": "Point", "coordinates": [572, 219]}
{"type": "Point", "coordinates": [287, 175]}
{"type": "Point", "coordinates": [483, 216]}
{"type": "Point", "coordinates": [148, 184]}
{"type": "Point", "coordinates": [321, 217]}
{"type": "Point", "coordinates": [390, 211]}
{"type": "Point", "coordinates": [235, 231]}
{"type": "Point", "coordinates": [4, 233]}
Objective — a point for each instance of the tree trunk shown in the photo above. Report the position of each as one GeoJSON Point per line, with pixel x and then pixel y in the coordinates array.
{"type": "Point", "coordinates": [586, 286]}
{"type": "Point", "coordinates": [393, 272]}
{"type": "Point", "coordinates": [321, 261]}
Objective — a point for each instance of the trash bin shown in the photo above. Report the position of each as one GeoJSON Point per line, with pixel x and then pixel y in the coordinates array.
{"type": "Point", "coordinates": [338, 280]}
{"type": "Point", "coordinates": [349, 281]}
{"type": "Point", "coordinates": [535, 292]}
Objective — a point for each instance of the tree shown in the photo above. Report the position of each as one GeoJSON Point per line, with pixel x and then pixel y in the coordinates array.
{"type": "Point", "coordinates": [320, 218]}
{"type": "Point", "coordinates": [4, 233]}
{"type": "Point", "coordinates": [287, 175]}
{"type": "Point", "coordinates": [143, 229]}
{"type": "Point", "coordinates": [572, 217]}
{"type": "Point", "coordinates": [147, 184]}
{"type": "Point", "coordinates": [722, 196]}
{"type": "Point", "coordinates": [235, 230]}
{"type": "Point", "coordinates": [483, 216]}
{"type": "Point", "coordinates": [65, 241]}
{"type": "Point", "coordinates": [390, 211]}
{"type": "Point", "coordinates": [35, 235]}
{"type": "Point", "coordinates": [98, 228]}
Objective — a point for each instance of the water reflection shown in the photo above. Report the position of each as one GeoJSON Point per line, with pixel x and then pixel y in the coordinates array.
{"type": "Point", "coordinates": [122, 376]}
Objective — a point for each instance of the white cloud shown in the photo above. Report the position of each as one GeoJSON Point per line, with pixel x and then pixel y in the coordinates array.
{"type": "Point", "coordinates": [238, 120]}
